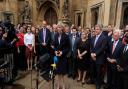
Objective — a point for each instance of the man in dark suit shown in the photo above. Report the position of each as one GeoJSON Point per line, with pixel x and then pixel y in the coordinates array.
{"type": "Point", "coordinates": [44, 39]}
{"type": "Point", "coordinates": [54, 31]}
{"type": "Point", "coordinates": [79, 31]}
{"type": "Point", "coordinates": [74, 40]}
{"type": "Point", "coordinates": [122, 67]}
{"type": "Point", "coordinates": [115, 49]}
{"type": "Point", "coordinates": [98, 46]}
{"type": "Point", "coordinates": [67, 31]}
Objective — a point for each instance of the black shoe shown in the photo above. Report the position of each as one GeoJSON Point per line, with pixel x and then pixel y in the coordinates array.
{"type": "Point", "coordinates": [90, 82]}
{"type": "Point", "coordinates": [97, 87]}
{"type": "Point", "coordinates": [78, 80]}
{"type": "Point", "coordinates": [83, 83]}
{"type": "Point", "coordinates": [73, 77]}
{"type": "Point", "coordinates": [69, 76]}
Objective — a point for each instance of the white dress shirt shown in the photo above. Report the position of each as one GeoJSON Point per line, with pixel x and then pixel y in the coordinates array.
{"type": "Point", "coordinates": [96, 39]}
{"type": "Point", "coordinates": [29, 39]}
{"type": "Point", "coordinates": [59, 38]}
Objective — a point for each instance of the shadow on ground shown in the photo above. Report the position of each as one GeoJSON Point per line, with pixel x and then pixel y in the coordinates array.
{"type": "Point", "coordinates": [15, 86]}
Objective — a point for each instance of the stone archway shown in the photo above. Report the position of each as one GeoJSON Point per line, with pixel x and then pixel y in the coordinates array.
{"type": "Point", "coordinates": [50, 16]}
{"type": "Point", "coordinates": [48, 11]}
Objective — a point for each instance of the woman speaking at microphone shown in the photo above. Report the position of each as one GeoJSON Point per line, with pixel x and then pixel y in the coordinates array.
{"type": "Point", "coordinates": [61, 45]}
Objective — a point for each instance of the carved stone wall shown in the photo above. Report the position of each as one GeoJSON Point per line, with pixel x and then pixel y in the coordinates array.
{"type": "Point", "coordinates": [110, 11]}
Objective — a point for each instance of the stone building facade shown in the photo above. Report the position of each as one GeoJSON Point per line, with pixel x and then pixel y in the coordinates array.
{"type": "Point", "coordinates": [80, 12]}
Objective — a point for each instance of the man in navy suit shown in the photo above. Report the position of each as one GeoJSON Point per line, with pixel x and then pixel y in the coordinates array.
{"type": "Point", "coordinates": [115, 48]}
{"type": "Point", "coordinates": [98, 46]}
{"type": "Point", "coordinates": [122, 67]}
{"type": "Point", "coordinates": [44, 39]}
{"type": "Point", "coordinates": [74, 40]}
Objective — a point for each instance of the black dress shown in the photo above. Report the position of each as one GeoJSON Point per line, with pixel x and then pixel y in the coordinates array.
{"type": "Point", "coordinates": [83, 64]}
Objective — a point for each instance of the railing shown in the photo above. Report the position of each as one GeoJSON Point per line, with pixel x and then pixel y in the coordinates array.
{"type": "Point", "coordinates": [6, 65]}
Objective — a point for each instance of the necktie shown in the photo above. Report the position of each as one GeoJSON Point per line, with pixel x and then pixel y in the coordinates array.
{"type": "Point", "coordinates": [114, 46]}
{"type": "Point", "coordinates": [73, 41]}
{"type": "Point", "coordinates": [95, 41]}
{"type": "Point", "coordinates": [44, 35]}
{"type": "Point", "coordinates": [125, 49]}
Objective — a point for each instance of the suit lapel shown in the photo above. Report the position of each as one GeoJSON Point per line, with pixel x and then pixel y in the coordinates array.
{"type": "Point", "coordinates": [93, 41]}
{"type": "Point", "coordinates": [99, 39]}
{"type": "Point", "coordinates": [41, 35]}
{"type": "Point", "coordinates": [111, 47]}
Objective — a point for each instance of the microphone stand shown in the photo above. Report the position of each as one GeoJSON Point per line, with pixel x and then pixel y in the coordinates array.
{"type": "Point", "coordinates": [52, 74]}
{"type": "Point", "coordinates": [37, 77]}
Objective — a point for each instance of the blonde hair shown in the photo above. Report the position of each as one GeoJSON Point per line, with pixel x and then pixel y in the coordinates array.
{"type": "Point", "coordinates": [85, 32]}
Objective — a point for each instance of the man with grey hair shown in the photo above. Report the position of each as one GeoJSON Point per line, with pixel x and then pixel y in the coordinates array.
{"type": "Point", "coordinates": [115, 48]}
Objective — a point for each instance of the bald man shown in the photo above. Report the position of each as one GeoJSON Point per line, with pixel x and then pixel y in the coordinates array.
{"type": "Point", "coordinates": [44, 39]}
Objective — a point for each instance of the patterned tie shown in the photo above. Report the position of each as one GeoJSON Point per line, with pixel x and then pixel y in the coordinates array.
{"type": "Point", "coordinates": [125, 48]}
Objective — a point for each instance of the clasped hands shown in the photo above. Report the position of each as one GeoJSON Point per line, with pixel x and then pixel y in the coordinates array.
{"type": "Point", "coordinates": [58, 53]}
{"type": "Point", "coordinates": [111, 60]}
{"type": "Point", "coordinates": [93, 55]}
{"type": "Point", "coordinates": [44, 44]}
{"type": "Point", "coordinates": [119, 68]}
{"type": "Point", "coordinates": [81, 55]}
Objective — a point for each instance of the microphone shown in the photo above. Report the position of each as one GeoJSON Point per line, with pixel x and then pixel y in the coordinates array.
{"type": "Point", "coordinates": [53, 66]}
{"type": "Point", "coordinates": [55, 60]}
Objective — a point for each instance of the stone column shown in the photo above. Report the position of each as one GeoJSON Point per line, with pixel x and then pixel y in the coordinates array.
{"type": "Point", "coordinates": [113, 10]}
{"type": "Point", "coordinates": [119, 13]}
{"type": "Point", "coordinates": [106, 12]}
{"type": "Point", "coordinates": [7, 5]}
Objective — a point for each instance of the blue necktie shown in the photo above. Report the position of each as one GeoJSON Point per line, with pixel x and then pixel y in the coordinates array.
{"type": "Point", "coordinates": [96, 40]}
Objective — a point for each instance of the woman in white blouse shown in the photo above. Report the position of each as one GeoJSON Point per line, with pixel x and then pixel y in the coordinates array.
{"type": "Point", "coordinates": [29, 41]}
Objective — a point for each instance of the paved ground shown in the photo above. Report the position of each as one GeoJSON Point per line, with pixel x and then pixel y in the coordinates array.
{"type": "Point", "coordinates": [24, 82]}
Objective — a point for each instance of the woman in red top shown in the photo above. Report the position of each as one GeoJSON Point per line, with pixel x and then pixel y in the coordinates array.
{"type": "Point", "coordinates": [21, 49]}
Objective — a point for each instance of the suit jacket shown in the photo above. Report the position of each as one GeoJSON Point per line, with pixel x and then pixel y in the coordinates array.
{"type": "Point", "coordinates": [123, 61]}
{"type": "Point", "coordinates": [99, 48]}
{"type": "Point", "coordinates": [48, 37]}
{"type": "Point", "coordinates": [47, 40]}
{"type": "Point", "coordinates": [78, 34]}
{"type": "Point", "coordinates": [116, 54]}
{"type": "Point", "coordinates": [73, 48]}
{"type": "Point", "coordinates": [53, 35]}
{"type": "Point", "coordinates": [64, 45]}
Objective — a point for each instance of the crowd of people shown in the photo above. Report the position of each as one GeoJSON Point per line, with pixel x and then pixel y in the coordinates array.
{"type": "Point", "coordinates": [90, 55]}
